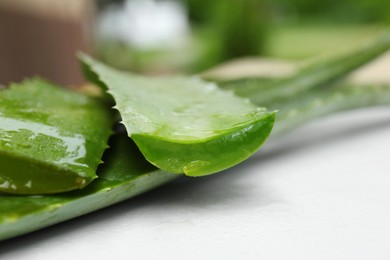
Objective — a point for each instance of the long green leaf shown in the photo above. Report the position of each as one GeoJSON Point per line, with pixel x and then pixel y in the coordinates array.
{"type": "Point", "coordinates": [319, 75]}
{"type": "Point", "coordinates": [315, 104]}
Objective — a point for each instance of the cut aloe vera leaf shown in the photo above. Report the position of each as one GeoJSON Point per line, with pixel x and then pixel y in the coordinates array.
{"type": "Point", "coordinates": [51, 139]}
{"type": "Point", "coordinates": [184, 125]}
{"type": "Point", "coordinates": [318, 75]}
{"type": "Point", "coordinates": [124, 174]}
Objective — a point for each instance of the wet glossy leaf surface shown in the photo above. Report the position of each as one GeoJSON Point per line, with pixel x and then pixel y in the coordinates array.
{"type": "Point", "coordinates": [124, 174]}
{"type": "Point", "coordinates": [181, 124]}
{"type": "Point", "coordinates": [51, 139]}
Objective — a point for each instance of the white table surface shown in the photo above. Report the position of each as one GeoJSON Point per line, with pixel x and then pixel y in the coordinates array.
{"type": "Point", "coordinates": [321, 192]}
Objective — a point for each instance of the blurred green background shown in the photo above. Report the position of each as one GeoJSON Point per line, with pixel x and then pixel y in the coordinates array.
{"type": "Point", "coordinates": [212, 32]}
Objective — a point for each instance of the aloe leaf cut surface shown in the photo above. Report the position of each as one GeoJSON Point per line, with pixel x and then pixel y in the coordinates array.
{"type": "Point", "coordinates": [51, 139]}
{"type": "Point", "coordinates": [181, 124]}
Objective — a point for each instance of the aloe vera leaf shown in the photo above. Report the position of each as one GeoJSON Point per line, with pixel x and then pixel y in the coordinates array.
{"type": "Point", "coordinates": [318, 75]}
{"type": "Point", "coordinates": [51, 139]}
{"type": "Point", "coordinates": [124, 174]}
{"type": "Point", "coordinates": [317, 102]}
{"type": "Point", "coordinates": [329, 101]}
{"type": "Point", "coordinates": [248, 86]}
{"type": "Point", "coordinates": [184, 125]}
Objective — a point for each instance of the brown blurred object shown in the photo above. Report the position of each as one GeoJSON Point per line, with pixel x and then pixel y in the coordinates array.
{"type": "Point", "coordinates": [41, 37]}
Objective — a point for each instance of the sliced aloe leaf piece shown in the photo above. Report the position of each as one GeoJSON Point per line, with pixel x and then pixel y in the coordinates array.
{"type": "Point", "coordinates": [184, 125]}
{"type": "Point", "coordinates": [124, 174]}
{"type": "Point", "coordinates": [51, 139]}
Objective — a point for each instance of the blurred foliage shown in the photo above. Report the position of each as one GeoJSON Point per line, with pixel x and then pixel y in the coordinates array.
{"type": "Point", "coordinates": [233, 28]}
{"type": "Point", "coordinates": [227, 29]}
{"type": "Point", "coordinates": [301, 41]}
{"type": "Point", "coordinates": [347, 11]}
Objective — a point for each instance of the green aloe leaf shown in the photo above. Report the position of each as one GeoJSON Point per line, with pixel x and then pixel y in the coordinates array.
{"type": "Point", "coordinates": [269, 92]}
{"type": "Point", "coordinates": [124, 174]}
{"type": "Point", "coordinates": [181, 124]}
{"type": "Point", "coordinates": [322, 102]}
{"type": "Point", "coordinates": [51, 139]}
